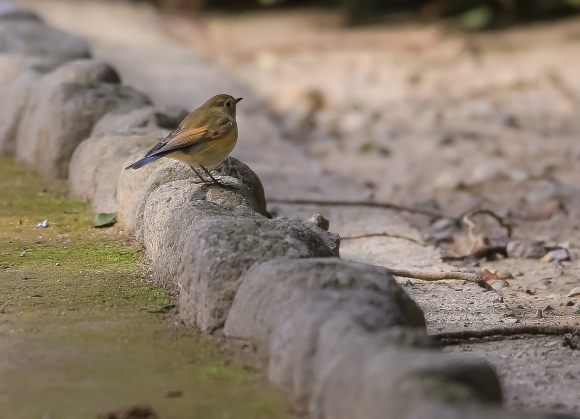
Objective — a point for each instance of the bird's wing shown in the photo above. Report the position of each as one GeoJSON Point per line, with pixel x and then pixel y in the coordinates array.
{"type": "Point", "coordinates": [185, 137]}
{"type": "Point", "coordinates": [164, 142]}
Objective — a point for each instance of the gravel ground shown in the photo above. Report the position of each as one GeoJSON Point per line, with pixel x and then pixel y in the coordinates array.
{"type": "Point", "coordinates": [536, 373]}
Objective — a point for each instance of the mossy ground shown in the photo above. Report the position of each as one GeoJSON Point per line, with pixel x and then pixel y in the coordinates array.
{"type": "Point", "coordinates": [89, 335]}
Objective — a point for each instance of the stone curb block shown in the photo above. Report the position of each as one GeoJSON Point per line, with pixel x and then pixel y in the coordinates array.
{"type": "Point", "coordinates": [95, 165]}
{"type": "Point", "coordinates": [18, 74]}
{"type": "Point", "coordinates": [167, 199]}
{"type": "Point", "coordinates": [218, 250]}
{"type": "Point", "coordinates": [145, 120]}
{"type": "Point", "coordinates": [303, 311]}
{"type": "Point", "coordinates": [372, 380]}
{"type": "Point", "coordinates": [28, 36]}
{"type": "Point", "coordinates": [10, 12]}
{"type": "Point", "coordinates": [327, 325]}
{"type": "Point", "coordinates": [135, 186]}
{"type": "Point", "coordinates": [63, 107]}
{"type": "Point", "coordinates": [167, 270]}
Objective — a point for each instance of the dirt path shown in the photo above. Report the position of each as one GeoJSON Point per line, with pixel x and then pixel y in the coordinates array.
{"type": "Point", "coordinates": [82, 332]}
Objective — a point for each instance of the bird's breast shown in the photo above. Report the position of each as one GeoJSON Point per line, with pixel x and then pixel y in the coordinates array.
{"type": "Point", "coordinates": [210, 153]}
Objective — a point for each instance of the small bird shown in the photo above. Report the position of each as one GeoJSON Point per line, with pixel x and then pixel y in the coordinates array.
{"type": "Point", "coordinates": [203, 139]}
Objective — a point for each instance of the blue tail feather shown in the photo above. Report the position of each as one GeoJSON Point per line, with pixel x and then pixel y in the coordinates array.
{"type": "Point", "coordinates": [143, 162]}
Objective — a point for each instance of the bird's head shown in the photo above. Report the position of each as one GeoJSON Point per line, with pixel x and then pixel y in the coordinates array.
{"type": "Point", "coordinates": [225, 103]}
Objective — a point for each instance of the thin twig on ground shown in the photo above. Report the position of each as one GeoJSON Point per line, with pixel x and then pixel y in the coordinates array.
{"type": "Point", "coordinates": [394, 236]}
{"type": "Point", "coordinates": [371, 204]}
{"type": "Point", "coordinates": [453, 338]}
{"type": "Point", "coordinates": [470, 228]}
{"type": "Point", "coordinates": [462, 276]}
{"type": "Point", "coordinates": [492, 214]}
{"type": "Point", "coordinates": [424, 276]}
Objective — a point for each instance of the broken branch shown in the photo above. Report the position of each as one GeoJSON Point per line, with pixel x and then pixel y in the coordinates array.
{"type": "Point", "coordinates": [354, 204]}
{"type": "Point", "coordinates": [424, 276]}
{"type": "Point", "coordinates": [492, 214]}
{"type": "Point", "coordinates": [394, 236]}
{"type": "Point", "coordinates": [452, 338]}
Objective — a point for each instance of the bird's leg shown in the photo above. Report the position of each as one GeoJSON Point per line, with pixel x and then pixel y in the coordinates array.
{"type": "Point", "coordinates": [202, 180]}
{"type": "Point", "coordinates": [217, 182]}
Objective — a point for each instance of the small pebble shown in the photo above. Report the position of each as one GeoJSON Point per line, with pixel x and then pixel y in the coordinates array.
{"type": "Point", "coordinates": [57, 264]}
{"type": "Point", "coordinates": [538, 314]}
{"type": "Point", "coordinates": [22, 254]}
{"type": "Point", "coordinates": [549, 308]}
{"type": "Point", "coordinates": [574, 293]}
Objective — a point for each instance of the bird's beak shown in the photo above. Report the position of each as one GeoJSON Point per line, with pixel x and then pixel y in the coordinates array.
{"type": "Point", "coordinates": [238, 99]}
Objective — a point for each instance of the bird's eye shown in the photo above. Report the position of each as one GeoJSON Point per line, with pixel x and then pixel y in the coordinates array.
{"type": "Point", "coordinates": [228, 104]}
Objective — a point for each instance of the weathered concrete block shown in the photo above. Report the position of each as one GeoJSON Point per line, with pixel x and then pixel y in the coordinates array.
{"type": "Point", "coordinates": [218, 250]}
{"type": "Point", "coordinates": [323, 324]}
{"type": "Point", "coordinates": [306, 311]}
{"type": "Point", "coordinates": [371, 380]}
{"type": "Point", "coordinates": [95, 166]}
{"type": "Point", "coordinates": [10, 12]}
{"type": "Point", "coordinates": [139, 121]}
{"type": "Point", "coordinates": [62, 109]}
{"type": "Point", "coordinates": [235, 168]}
{"type": "Point", "coordinates": [274, 287]}
{"type": "Point", "coordinates": [135, 186]}
{"type": "Point", "coordinates": [168, 261]}
{"type": "Point", "coordinates": [164, 201]}
{"type": "Point", "coordinates": [31, 37]}
{"type": "Point", "coordinates": [17, 74]}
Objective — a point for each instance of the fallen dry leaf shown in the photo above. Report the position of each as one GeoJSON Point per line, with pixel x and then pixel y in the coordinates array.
{"type": "Point", "coordinates": [490, 276]}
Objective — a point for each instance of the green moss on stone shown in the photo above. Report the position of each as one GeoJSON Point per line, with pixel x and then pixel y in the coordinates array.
{"type": "Point", "coordinates": [83, 331]}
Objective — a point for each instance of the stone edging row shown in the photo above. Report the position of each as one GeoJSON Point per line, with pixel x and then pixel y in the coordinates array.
{"type": "Point", "coordinates": [341, 337]}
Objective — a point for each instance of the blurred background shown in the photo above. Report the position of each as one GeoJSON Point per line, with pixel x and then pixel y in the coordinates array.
{"type": "Point", "coordinates": [466, 102]}
{"type": "Point", "coordinates": [478, 14]}
{"type": "Point", "coordinates": [469, 102]}
{"type": "Point", "coordinates": [448, 105]}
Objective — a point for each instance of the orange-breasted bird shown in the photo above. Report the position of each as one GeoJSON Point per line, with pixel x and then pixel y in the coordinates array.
{"type": "Point", "coordinates": [203, 139]}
